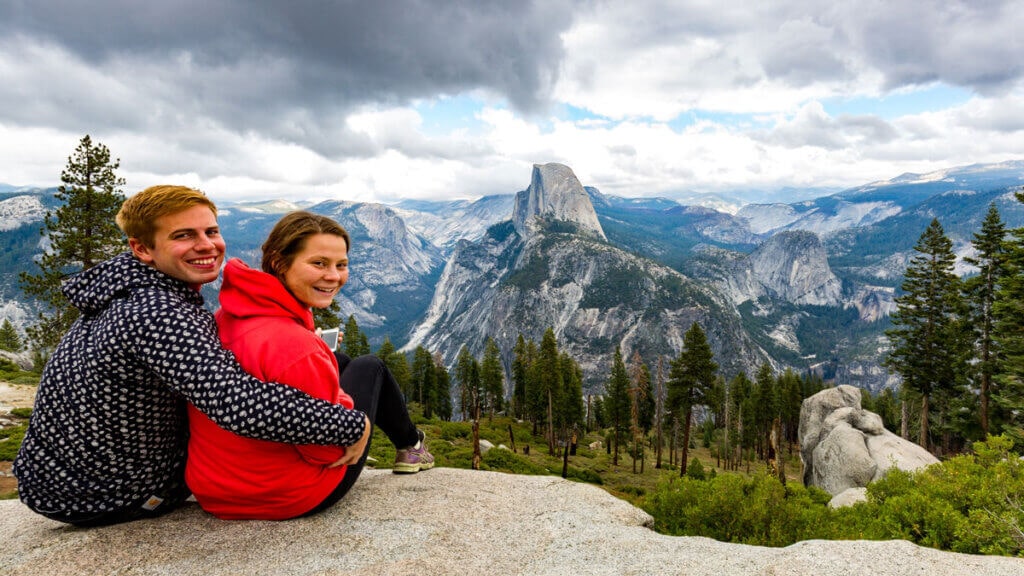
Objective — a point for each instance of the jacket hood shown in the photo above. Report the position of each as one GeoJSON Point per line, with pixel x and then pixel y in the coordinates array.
{"type": "Point", "coordinates": [249, 292]}
{"type": "Point", "coordinates": [92, 290]}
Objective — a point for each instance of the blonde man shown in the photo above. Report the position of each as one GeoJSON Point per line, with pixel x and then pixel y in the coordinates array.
{"type": "Point", "coordinates": [106, 442]}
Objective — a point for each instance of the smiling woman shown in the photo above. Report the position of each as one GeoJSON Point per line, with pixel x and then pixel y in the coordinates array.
{"type": "Point", "coordinates": [266, 321]}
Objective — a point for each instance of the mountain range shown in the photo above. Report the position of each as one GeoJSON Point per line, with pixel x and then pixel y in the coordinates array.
{"type": "Point", "coordinates": [807, 285]}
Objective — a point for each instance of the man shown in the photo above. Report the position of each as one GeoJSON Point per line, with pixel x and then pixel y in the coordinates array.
{"type": "Point", "coordinates": [106, 442]}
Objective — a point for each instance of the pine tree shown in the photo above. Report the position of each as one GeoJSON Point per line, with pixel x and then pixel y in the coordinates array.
{"type": "Point", "coordinates": [1008, 309]}
{"type": "Point", "coordinates": [9, 338]}
{"type": "Point", "coordinates": [521, 360]}
{"type": "Point", "coordinates": [355, 341]}
{"type": "Point", "coordinates": [570, 410]}
{"type": "Point", "coordinates": [442, 396]}
{"type": "Point", "coordinates": [927, 335]}
{"type": "Point", "coordinates": [81, 233]}
{"type": "Point", "coordinates": [616, 404]}
{"type": "Point", "coordinates": [468, 394]}
{"type": "Point", "coordinates": [492, 378]}
{"type": "Point", "coordinates": [980, 294]}
{"type": "Point", "coordinates": [424, 377]}
{"type": "Point", "coordinates": [639, 394]}
{"type": "Point", "coordinates": [691, 376]}
{"type": "Point", "coordinates": [327, 318]}
{"type": "Point", "coordinates": [396, 362]}
{"type": "Point", "coordinates": [549, 382]}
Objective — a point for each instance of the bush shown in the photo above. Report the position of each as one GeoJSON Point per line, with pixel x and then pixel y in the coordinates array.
{"type": "Point", "coordinates": [501, 460]}
{"type": "Point", "coordinates": [730, 508]}
{"type": "Point", "coordinates": [21, 412]}
{"type": "Point", "coordinates": [584, 475]}
{"type": "Point", "coordinates": [10, 441]}
{"type": "Point", "coordinates": [969, 503]}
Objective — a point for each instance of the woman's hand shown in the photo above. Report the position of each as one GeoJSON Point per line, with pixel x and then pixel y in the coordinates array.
{"type": "Point", "coordinates": [354, 452]}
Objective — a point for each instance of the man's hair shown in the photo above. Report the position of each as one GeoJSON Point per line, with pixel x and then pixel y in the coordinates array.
{"type": "Point", "coordinates": [289, 236]}
{"type": "Point", "coordinates": [138, 214]}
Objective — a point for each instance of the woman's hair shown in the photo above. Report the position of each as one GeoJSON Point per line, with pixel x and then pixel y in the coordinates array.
{"type": "Point", "coordinates": [289, 235]}
{"type": "Point", "coordinates": [138, 214]}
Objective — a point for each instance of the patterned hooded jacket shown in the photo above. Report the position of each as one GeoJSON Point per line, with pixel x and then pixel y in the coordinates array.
{"type": "Point", "coordinates": [109, 430]}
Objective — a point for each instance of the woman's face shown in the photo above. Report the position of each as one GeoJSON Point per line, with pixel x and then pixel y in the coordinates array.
{"type": "Point", "coordinates": [319, 270]}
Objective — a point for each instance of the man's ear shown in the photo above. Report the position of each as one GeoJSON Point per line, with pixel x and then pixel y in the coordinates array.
{"type": "Point", "coordinates": [140, 250]}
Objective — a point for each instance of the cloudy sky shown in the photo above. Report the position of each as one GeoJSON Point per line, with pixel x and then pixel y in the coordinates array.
{"type": "Point", "coordinates": [390, 99]}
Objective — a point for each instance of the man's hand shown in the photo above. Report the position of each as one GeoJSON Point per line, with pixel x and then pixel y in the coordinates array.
{"type": "Point", "coordinates": [354, 452]}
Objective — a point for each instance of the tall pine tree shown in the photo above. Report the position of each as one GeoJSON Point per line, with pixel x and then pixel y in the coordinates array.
{"type": "Point", "coordinates": [980, 295]}
{"type": "Point", "coordinates": [1008, 397]}
{"type": "Point", "coordinates": [81, 233]}
{"type": "Point", "coordinates": [691, 376]}
{"type": "Point", "coordinates": [927, 336]}
{"type": "Point", "coordinates": [616, 403]}
{"type": "Point", "coordinates": [492, 378]}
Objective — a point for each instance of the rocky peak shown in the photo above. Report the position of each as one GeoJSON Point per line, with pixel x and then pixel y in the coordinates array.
{"type": "Point", "coordinates": [554, 194]}
{"type": "Point", "coordinates": [792, 266]}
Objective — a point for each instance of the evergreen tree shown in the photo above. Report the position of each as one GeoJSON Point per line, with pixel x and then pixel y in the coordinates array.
{"type": "Point", "coordinates": [355, 341]}
{"type": "Point", "coordinates": [549, 384]}
{"type": "Point", "coordinates": [521, 361]}
{"type": "Point", "coordinates": [640, 400]}
{"type": "Point", "coordinates": [397, 364]}
{"type": "Point", "coordinates": [9, 338]}
{"type": "Point", "coordinates": [765, 400]}
{"type": "Point", "coordinates": [616, 403]}
{"type": "Point", "coordinates": [468, 393]}
{"type": "Point", "coordinates": [327, 318]}
{"type": "Point", "coordinates": [424, 376]}
{"type": "Point", "coordinates": [927, 335]}
{"type": "Point", "coordinates": [570, 410]}
{"type": "Point", "coordinates": [598, 411]}
{"type": "Point", "coordinates": [492, 378]}
{"type": "Point", "coordinates": [442, 396]}
{"type": "Point", "coordinates": [691, 376]}
{"type": "Point", "coordinates": [980, 294]}
{"type": "Point", "coordinates": [81, 233]}
{"type": "Point", "coordinates": [1008, 309]}
{"type": "Point", "coordinates": [790, 401]}
{"type": "Point", "coordinates": [741, 403]}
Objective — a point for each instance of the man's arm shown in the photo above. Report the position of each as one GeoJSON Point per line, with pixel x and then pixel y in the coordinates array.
{"type": "Point", "coordinates": [183, 349]}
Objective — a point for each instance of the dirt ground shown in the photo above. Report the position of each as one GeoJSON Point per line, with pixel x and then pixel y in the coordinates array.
{"type": "Point", "coordinates": [13, 396]}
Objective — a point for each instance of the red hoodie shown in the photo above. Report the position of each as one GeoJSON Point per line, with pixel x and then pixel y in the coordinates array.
{"type": "Point", "coordinates": [271, 334]}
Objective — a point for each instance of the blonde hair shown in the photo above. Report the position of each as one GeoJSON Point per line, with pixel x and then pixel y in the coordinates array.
{"type": "Point", "coordinates": [138, 214]}
{"type": "Point", "coordinates": [289, 236]}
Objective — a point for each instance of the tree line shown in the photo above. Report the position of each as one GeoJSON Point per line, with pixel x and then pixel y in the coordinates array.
{"type": "Point", "coordinates": [958, 343]}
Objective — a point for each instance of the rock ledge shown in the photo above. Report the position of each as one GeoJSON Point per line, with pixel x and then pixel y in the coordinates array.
{"type": "Point", "coordinates": [446, 521]}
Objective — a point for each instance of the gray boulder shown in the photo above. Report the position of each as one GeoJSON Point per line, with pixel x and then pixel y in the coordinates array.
{"type": "Point", "coordinates": [843, 446]}
{"type": "Point", "coordinates": [446, 521]}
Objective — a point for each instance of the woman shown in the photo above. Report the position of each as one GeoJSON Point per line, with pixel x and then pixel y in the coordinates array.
{"type": "Point", "coordinates": [266, 321]}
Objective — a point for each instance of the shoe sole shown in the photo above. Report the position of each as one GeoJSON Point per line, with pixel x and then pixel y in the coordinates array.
{"type": "Point", "coordinates": [411, 468]}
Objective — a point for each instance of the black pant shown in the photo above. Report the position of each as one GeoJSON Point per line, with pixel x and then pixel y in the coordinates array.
{"type": "Point", "coordinates": [374, 391]}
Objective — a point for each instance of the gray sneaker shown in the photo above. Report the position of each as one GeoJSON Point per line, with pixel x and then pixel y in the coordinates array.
{"type": "Point", "coordinates": [414, 458]}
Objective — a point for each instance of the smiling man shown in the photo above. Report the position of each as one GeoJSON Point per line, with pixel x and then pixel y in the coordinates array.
{"type": "Point", "coordinates": [107, 438]}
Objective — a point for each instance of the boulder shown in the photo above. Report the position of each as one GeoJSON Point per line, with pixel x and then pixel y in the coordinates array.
{"type": "Point", "coordinates": [843, 446]}
{"type": "Point", "coordinates": [446, 521]}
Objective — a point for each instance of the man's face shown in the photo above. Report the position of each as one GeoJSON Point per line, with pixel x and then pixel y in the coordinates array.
{"type": "Point", "coordinates": [187, 246]}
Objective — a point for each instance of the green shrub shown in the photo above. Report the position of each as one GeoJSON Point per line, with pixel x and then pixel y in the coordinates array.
{"type": "Point", "coordinates": [21, 412]}
{"type": "Point", "coordinates": [584, 475]}
{"type": "Point", "coordinates": [10, 441]}
{"type": "Point", "coordinates": [970, 503]}
{"type": "Point", "coordinates": [452, 431]}
{"type": "Point", "coordinates": [730, 508]}
{"type": "Point", "coordinates": [695, 470]}
{"type": "Point", "coordinates": [501, 460]}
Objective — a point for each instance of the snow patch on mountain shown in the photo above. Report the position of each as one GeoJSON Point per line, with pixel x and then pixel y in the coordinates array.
{"type": "Point", "coordinates": [20, 210]}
